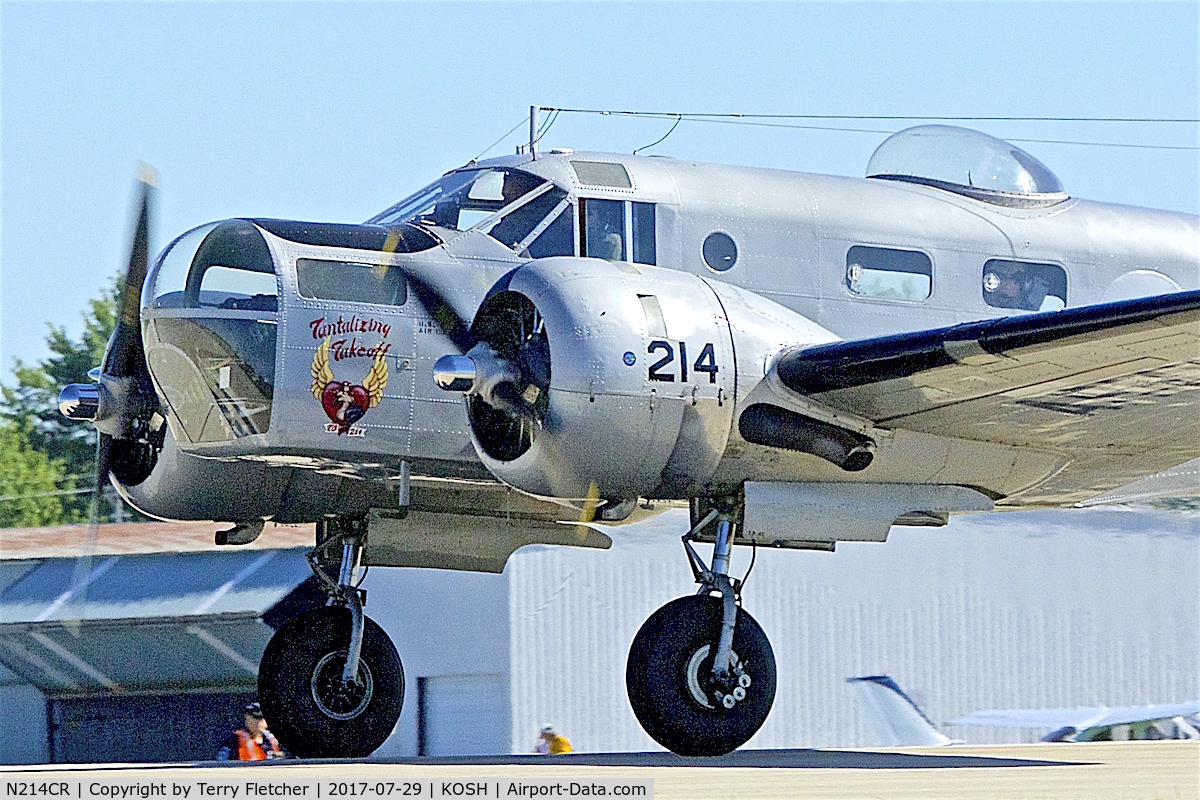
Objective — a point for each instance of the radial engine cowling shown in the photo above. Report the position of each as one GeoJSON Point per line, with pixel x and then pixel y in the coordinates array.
{"type": "Point", "coordinates": [597, 378]}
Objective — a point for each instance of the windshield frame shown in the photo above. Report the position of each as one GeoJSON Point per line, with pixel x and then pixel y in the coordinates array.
{"type": "Point", "coordinates": [458, 182]}
{"type": "Point", "coordinates": [495, 216]}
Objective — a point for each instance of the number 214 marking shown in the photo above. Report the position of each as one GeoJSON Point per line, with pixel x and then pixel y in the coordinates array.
{"type": "Point", "coordinates": [705, 362]}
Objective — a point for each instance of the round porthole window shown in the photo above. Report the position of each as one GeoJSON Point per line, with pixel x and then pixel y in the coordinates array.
{"type": "Point", "coordinates": [720, 252]}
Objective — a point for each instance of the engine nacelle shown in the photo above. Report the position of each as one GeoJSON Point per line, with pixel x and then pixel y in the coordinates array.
{"type": "Point", "coordinates": [612, 379]}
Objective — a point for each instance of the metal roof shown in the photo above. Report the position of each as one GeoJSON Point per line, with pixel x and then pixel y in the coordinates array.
{"type": "Point", "coordinates": [145, 622]}
{"type": "Point", "coordinates": [70, 541]}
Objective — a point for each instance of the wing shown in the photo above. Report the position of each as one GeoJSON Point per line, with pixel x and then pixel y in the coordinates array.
{"type": "Point", "coordinates": [1078, 718]}
{"type": "Point", "coordinates": [321, 373]}
{"type": "Point", "coordinates": [376, 380]}
{"type": "Point", "coordinates": [1112, 389]}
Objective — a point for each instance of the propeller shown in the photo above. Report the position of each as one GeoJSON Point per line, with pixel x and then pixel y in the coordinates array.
{"type": "Point", "coordinates": [504, 372]}
{"type": "Point", "coordinates": [505, 375]}
{"type": "Point", "coordinates": [507, 363]}
{"type": "Point", "coordinates": [121, 403]}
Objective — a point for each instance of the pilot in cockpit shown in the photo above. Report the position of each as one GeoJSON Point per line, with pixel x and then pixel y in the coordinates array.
{"type": "Point", "coordinates": [610, 248]}
{"type": "Point", "coordinates": [605, 226]}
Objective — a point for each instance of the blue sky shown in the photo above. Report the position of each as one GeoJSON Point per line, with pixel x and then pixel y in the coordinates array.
{"type": "Point", "coordinates": [335, 111]}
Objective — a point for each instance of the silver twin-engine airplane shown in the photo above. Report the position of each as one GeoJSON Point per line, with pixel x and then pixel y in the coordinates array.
{"type": "Point", "coordinates": [536, 344]}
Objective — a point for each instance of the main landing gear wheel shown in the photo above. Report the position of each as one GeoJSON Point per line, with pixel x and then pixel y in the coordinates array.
{"type": "Point", "coordinates": [671, 685]}
{"type": "Point", "coordinates": [308, 706]}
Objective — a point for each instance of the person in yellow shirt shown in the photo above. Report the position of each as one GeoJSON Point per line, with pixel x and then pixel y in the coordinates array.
{"type": "Point", "coordinates": [552, 743]}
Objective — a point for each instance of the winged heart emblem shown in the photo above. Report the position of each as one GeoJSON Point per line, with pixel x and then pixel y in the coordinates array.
{"type": "Point", "coordinates": [345, 403]}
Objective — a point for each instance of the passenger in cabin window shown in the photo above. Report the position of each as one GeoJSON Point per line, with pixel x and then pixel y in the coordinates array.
{"type": "Point", "coordinates": [1010, 285]}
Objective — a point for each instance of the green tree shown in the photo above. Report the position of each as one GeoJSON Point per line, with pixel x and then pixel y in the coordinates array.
{"type": "Point", "coordinates": [31, 407]}
{"type": "Point", "coordinates": [32, 486]}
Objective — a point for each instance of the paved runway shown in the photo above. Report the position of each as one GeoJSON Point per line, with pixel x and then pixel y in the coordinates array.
{"type": "Point", "coordinates": [1095, 771]}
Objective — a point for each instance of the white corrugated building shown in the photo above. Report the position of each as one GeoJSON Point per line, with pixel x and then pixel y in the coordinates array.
{"type": "Point", "coordinates": [1046, 609]}
{"type": "Point", "coordinates": [1096, 607]}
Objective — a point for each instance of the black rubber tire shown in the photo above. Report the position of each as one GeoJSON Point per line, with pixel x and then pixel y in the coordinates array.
{"type": "Point", "coordinates": [310, 647]}
{"type": "Point", "coordinates": [131, 462]}
{"type": "Point", "coordinates": [656, 678]}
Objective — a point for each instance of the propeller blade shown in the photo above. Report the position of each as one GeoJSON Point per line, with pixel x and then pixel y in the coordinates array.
{"type": "Point", "coordinates": [458, 329]}
{"type": "Point", "coordinates": [507, 398]}
{"type": "Point", "coordinates": [451, 322]}
{"type": "Point", "coordinates": [83, 562]}
{"type": "Point", "coordinates": [102, 450]}
{"type": "Point", "coordinates": [125, 357]}
{"type": "Point", "coordinates": [588, 512]}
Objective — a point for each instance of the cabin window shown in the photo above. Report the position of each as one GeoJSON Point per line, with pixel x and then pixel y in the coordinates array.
{"type": "Point", "coordinates": [1024, 285]}
{"type": "Point", "coordinates": [719, 251]}
{"type": "Point", "coordinates": [351, 282]}
{"type": "Point", "coordinates": [888, 274]}
{"type": "Point", "coordinates": [602, 228]}
{"type": "Point", "coordinates": [643, 233]}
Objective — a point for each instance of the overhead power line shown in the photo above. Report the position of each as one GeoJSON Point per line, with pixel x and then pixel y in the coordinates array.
{"type": "Point", "coordinates": [870, 117]}
{"type": "Point", "coordinates": [781, 121]}
{"type": "Point", "coordinates": [777, 121]}
{"type": "Point", "coordinates": [8, 497]}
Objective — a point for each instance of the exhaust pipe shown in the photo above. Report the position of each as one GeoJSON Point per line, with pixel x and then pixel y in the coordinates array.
{"type": "Point", "coordinates": [777, 427]}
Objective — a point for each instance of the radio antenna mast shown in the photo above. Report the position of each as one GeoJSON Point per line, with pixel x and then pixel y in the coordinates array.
{"type": "Point", "coordinates": [533, 124]}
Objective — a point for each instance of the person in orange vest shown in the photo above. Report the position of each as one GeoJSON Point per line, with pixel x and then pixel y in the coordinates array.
{"type": "Point", "coordinates": [251, 742]}
{"type": "Point", "coordinates": [552, 743]}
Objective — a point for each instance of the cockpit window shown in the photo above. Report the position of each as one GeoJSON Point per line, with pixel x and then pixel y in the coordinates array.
{"type": "Point", "coordinates": [601, 173]}
{"type": "Point", "coordinates": [602, 229]}
{"type": "Point", "coordinates": [461, 199]}
{"type": "Point", "coordinates": [558, 238]}
{"type": "Point", "coordinates": [519, 227]}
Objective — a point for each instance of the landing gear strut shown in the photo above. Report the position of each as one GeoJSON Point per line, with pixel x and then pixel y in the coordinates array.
{"type": "Point", "coordinates": [701, 673]}
{"type": "Point", "coordinates": [331, 683]}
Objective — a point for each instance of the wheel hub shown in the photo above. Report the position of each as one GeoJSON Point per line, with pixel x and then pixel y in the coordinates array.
{"type": "Point", "coordinates": [703, 687]}
{"type": "Point", "coordinates": [338, 699]}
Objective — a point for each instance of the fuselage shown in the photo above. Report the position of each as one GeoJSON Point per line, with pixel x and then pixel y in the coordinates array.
{"type": "Point", "coordinates": [253, 415]}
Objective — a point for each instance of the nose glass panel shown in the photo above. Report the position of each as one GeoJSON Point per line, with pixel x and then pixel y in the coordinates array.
{"type": "Point", "coordinates": [210, 331]}
{"type": "Point", "coordinates": [218, 375]}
